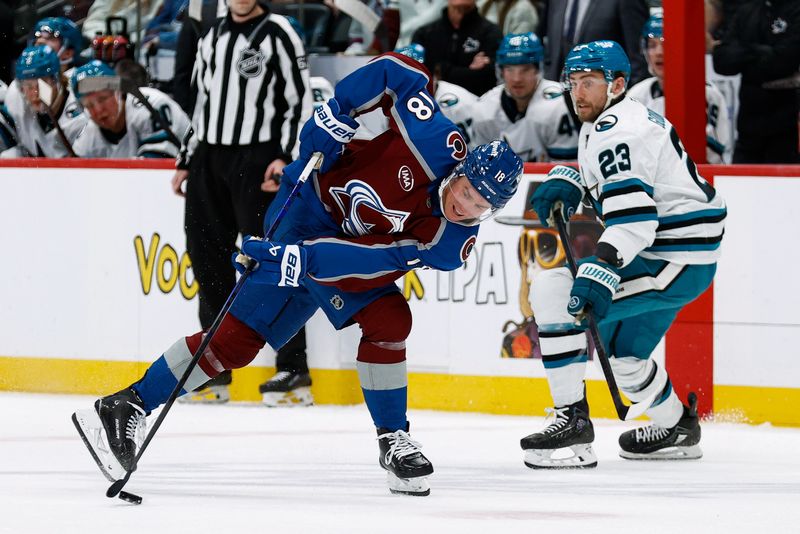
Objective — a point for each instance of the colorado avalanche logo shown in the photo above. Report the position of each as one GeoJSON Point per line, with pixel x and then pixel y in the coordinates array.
{"type": "Point", "coordinates": [457, 146]}
{"type": "Point", "coordinates": [466, 248]}
{"type": "Point", "coordinates": [356, 199]}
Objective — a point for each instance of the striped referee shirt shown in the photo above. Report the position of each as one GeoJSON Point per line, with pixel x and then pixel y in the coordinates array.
{"type": "Point", "coordinates": [252, 83]}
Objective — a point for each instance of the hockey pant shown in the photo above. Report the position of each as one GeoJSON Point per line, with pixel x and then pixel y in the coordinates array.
{"type": "Point", "coordinates": [650, 295]}
{"type": "Point", "coordinates": [269, 314]}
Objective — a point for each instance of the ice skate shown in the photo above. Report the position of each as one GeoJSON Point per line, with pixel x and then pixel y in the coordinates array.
{"type": "Point", "coordinates": [113, 430]}
{"type": "Point", "coordinates": [566, 443]}
{"type": "Point", "coordinates": [215, 391]}
{"type": "Point", "coordinates": [406, 467]}
{"type": "Point", "coordinates": [653, 442]}
{"type": "Point", "coordinates": [287, 388]}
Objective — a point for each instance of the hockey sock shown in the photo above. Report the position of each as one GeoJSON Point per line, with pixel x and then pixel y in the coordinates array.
{"type": "Point", "coordinates": [156, 385]}
{"type": "Point", "coordinates": [381, 363]}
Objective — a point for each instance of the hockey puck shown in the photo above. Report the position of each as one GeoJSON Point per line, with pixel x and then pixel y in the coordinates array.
{"type": "Point", "coordinates": [130, 497]}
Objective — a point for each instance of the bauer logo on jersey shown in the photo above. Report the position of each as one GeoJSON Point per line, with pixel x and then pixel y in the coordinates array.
{"type": "Point", "coordinates": [466, 248]}
{"type": "Point", "coordinates": [606, 123]}
{"type": "Point", "coordinates": [251, 63]}
{"type": "Point", "coordinates": [406, 178]}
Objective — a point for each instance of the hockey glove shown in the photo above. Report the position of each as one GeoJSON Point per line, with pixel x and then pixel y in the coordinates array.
{"type": "Point", "coordinates": [328, 132]}
{"type": "Point", "coordinates": [562, 189]}
{"type": "Point", "coordinates": [279, 264]}
{"type": "Point", "coordinates": [594, 287]}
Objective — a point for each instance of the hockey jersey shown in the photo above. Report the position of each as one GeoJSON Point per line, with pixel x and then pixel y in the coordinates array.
{"type": "Point", "coordinates": [383, 193]}
{"type": "Point", "coordinates": [32, 139]}
{"type": "Point", "coordinates": [718, 122]}
{"type": "Point", "coordinates": [143, 137]}
{"type": "Point", "coordinates": [8, 137]}
{"type": "Point", "coordinates": [546, 132]}
{"type": "Point", "coordinates": [457, 104]}
{"type": "Point", "coordinates": [646, 188]}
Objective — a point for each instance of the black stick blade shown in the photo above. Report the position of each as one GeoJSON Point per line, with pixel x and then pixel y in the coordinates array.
{"type": "Point", "coordinates": [115, 488]}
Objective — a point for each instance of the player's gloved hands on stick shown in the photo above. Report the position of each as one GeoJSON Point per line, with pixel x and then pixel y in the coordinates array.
{"type": "Point", "coordinates": [279, 264]}
{"type": "Point", "coordinates": [562, 188]}
{"type": "Point", "coordinates": [594, 287]}
{"type": "Point", "coordinates": [327, 132]}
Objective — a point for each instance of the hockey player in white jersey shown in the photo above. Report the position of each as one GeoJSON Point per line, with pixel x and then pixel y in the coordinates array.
{"type": "Point", "coordinates": [121, 126]}
{"type": "Point", "coordinates": [526, 111]}
{"type": "Point", "coordinates": [44, 126]}
{"type": "Point", "coordinates": [658, 252]}
{"type": "Point", "coordinates": [650, 92]}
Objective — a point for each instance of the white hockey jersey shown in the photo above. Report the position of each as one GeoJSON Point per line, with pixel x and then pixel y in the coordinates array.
{"type": "Point", "coordinates": [144, 137]}
{"type": "Point", "coordinates": [8, 137]}
{"type": "Point", "coordinates": [546, 132]}
{"type": "Point", "coordinates": [457, 104]}
{"type": "Point", "coordinates": [719, 135]}
{"type": "Point", "coordinates": [33, 140]}
{"type": "Point", "coordinates": [647, 190]}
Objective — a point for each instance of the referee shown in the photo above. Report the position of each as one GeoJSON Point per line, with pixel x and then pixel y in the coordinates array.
{"type": "Point", "coordinates": [252, 85]}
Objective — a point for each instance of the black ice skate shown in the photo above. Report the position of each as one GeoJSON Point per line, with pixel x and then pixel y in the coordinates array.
{"type": "Point", "coordinates": [215, 391]}
{"type": "Point", "coordinates": [571, 428]}
{"type": "Point", "coordinates": [657, 443]}
{"type": "Point", "coordinates": [287, 388]}
{"type": "Point", "coordinates": [406, 467]}
{"type": "Point", "coordinates": [113, 431]}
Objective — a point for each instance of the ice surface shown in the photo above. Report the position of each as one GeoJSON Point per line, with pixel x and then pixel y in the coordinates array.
{"type": "Point", "coordinates": [240, 468]}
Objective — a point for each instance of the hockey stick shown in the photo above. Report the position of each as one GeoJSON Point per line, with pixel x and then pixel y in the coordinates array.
{"type": "Point", "coordinates": [313, 164]}
{"type": "Point", "coordinates": [624, 412]}
{"type": "Point", "coordinates": [128, 86]}
{"type": "Point", "coordinates": [46, 96]}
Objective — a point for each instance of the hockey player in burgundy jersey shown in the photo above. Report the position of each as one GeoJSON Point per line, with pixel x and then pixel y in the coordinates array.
{"type": "Point", "coordinates": [412, 197]}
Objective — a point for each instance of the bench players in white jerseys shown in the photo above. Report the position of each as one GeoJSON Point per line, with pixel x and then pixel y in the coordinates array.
{"type": "Point", "coordinates": [658, 252]}
{"type": "Point", "coordinates": [44, 125]}
{"type": "Point", "coordinates": [650, 92]}
{"type": "Point", "coordinates": [121, 126]}
{"type": "Point", "coordinates": [527, 111]}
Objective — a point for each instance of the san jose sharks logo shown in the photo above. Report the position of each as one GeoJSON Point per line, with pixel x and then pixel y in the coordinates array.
{"type": "Point", "coordinates": [363, 209]}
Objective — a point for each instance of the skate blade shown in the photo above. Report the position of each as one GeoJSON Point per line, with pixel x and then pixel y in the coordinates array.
{"type": "Point", "coordinates": [88, 424]}
{"type": "Point", "coordinates": [296, 397]}
{"type": "Point", "coordinates": [416, 487]}
{"type": "Point", "coordinates": [692, 452]}
{"type": "Point", "coordinates": [209, 395]}
{"type": "Point", "coordinates": [582, 457]}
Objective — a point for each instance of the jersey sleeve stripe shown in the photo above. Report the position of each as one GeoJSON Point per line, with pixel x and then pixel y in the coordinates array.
{"type": "Point", "coordinates": [633, 188]}
{"type": "Point", "coordinates": [692, 218]}
{"type": "Point", "coordinates": [621, 184]}
{"type": "Point", "coordinates": [642, 213]}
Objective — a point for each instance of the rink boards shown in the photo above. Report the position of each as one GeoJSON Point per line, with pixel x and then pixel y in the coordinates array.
{"type": "Point", "coordinates": [96, 283]}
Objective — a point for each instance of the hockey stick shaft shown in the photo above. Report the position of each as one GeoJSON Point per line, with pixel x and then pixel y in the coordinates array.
{"type": "Point", "coordinates": [312, 165]}
{"type": "Point", "coordinates": [624, 412]}
{"type": "Point", "coordinates": [128, 86]}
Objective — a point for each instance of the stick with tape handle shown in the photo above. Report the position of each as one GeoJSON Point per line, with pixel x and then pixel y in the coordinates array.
{"type": "Point", "coordinates": [624, 412]}
{"type": "Point", "coordinates": [130, 87]}
{"type": "Point", "coordinates": [312, 165]}
{"type": "Point", "coordinates": [46, 96]}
